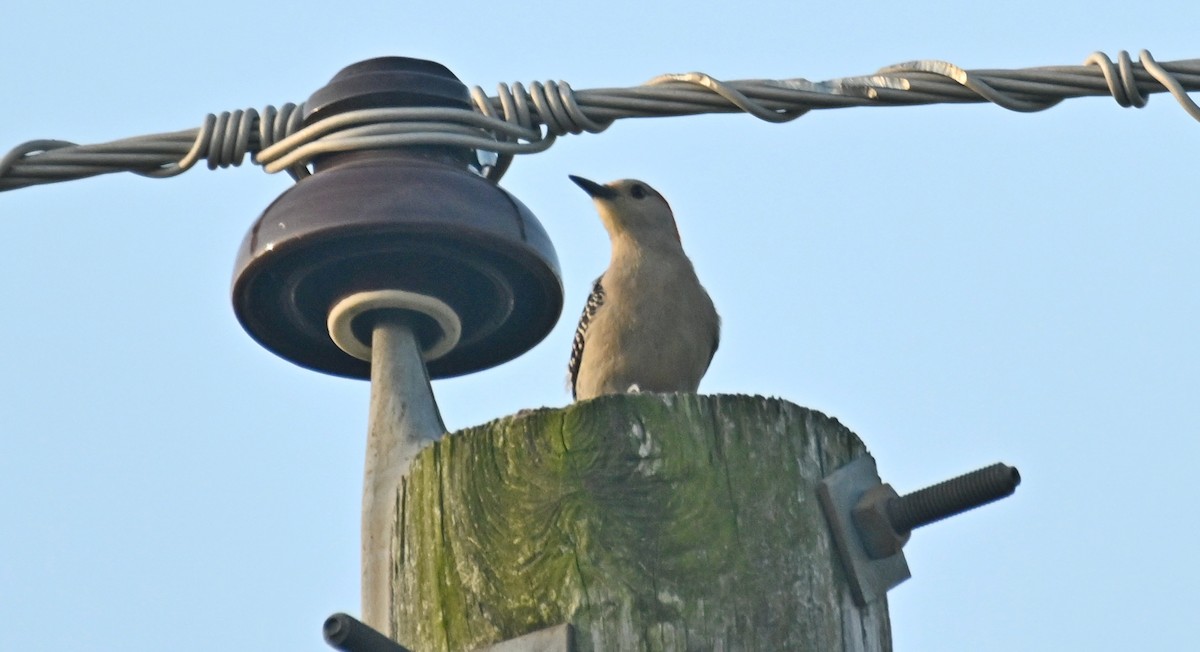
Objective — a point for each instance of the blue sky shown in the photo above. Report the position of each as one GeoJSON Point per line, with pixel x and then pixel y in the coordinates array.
{"type": "Point", "coordinates": [958, 284]}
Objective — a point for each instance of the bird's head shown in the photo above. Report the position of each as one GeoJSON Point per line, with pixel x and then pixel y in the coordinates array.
{"type": "Point", "coordinates": [631, 207]}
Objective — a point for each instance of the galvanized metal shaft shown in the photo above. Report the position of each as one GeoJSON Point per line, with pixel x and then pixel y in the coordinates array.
{"type": "Point", "coordinates": [404, 419]}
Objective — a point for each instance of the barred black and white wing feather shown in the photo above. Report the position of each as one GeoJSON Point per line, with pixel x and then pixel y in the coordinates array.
{"type": "Point", "coordinates": [595, 300]}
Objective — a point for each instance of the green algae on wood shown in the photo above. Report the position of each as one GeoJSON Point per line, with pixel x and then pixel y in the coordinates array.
{"type": "Point", "coordinates": [649, 522]}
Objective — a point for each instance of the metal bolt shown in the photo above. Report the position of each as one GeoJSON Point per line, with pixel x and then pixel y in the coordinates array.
{"type": "Point", "coordinates": [348, 634]}
{"type": "Point", "coordinates": [953, 496]}
{"type": "Point", "coordinates": [884, 519]}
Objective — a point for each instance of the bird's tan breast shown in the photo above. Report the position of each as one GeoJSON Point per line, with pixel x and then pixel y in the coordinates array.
{"type": "Point", "coordinates": [656, 329]}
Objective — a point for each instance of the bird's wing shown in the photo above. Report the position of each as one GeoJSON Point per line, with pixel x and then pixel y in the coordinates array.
{"type": "Point", "coordinates": [595, 300]}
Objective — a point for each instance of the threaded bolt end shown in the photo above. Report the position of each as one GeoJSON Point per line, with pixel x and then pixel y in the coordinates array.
{"type": "Point", "coordinates": [953, 496]}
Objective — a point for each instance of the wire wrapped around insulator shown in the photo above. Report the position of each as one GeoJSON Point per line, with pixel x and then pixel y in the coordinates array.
{"type": "Point", "coordinates": [520, 120]}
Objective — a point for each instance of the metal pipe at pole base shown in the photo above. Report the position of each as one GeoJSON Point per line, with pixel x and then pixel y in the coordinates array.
{"type": "Point", "coordinates": [347, 634]}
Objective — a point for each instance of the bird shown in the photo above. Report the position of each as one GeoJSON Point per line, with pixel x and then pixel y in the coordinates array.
{"type": "Point", "coordinates": [648, 324]}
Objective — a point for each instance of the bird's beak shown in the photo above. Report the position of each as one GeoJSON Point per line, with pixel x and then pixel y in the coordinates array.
{"type": "Point", "coordinates": [592, 188]}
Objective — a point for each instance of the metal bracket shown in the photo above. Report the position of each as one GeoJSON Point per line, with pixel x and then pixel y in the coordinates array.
{"type": "Point", "coordinates": [840, 491]}
{"type": "Point", "coordinates": [871, 522]}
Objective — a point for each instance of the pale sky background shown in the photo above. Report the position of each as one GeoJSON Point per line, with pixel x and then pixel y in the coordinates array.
{"type": "Point", "coordinates": [960, 285]}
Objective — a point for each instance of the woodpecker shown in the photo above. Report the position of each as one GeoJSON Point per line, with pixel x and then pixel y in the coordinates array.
{"type": "Point", "coordinates": [648, 324]}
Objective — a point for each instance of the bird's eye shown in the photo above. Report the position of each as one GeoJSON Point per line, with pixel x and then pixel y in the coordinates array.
{"type": "Point", "coordinates": [638, 191]}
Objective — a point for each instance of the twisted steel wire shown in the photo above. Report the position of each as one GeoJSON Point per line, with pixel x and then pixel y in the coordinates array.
{"type": "Point", "coordinates": [520, 120]}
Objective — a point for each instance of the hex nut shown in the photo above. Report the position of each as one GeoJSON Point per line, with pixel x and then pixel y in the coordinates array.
{"type": "Point", "coordinates": [879, 538]}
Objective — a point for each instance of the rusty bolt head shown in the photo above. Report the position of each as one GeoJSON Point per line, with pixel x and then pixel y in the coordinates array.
{"type": "Point", "coordinates": [879, 537]}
